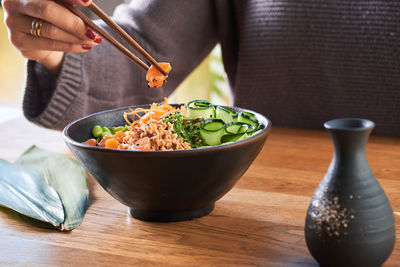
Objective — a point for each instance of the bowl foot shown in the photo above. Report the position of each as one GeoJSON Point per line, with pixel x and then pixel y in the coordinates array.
{"type": "Point", "coordinates": [169, 216]}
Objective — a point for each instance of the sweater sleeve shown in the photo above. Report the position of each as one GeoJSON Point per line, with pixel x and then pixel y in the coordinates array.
{"type": "Point", "coordinates": [175, 31]}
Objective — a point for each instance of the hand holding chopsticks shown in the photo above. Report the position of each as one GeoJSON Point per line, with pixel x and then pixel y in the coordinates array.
{"type": "Point", "coordinates": [102, 15]}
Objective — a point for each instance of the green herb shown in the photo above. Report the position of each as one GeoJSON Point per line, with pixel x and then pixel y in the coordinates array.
{"type": "Point", "coordinates": [188, 129]}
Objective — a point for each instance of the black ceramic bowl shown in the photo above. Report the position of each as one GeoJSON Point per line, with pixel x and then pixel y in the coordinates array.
{"type": "Point", "coordinates": [163, 185]}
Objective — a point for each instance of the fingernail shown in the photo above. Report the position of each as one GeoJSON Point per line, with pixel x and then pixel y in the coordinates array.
{"type": "Point", "coordinates": [87, 47]}
{"type": "Point", "coordinates": [85, 1]}
{"type": "Point", "coordinates": [91, 34]}
{"type": "Point", "coordinates": [98, 39]}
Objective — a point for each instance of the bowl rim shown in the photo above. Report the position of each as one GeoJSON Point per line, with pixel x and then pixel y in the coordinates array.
{"type": "Point", "coordinates": [250, 139]}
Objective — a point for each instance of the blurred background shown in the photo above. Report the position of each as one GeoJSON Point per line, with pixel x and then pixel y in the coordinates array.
{"type": "Point", "coordinates": [208, 81]}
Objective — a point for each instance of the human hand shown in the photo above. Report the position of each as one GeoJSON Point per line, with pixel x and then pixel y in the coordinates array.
{"type": "Point", "coordinates": [61, 31]}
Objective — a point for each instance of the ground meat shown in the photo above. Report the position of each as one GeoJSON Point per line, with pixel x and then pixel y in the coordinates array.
{"type": "Point", "coordinates": [160, 135]}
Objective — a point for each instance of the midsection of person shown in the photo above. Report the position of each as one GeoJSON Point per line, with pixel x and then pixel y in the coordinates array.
{"type": "Point", "coordinates": [307, 62]}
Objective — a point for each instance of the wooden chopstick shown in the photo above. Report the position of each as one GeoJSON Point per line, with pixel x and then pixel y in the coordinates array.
{"type": "Point", "coordinates": [102, 15]}
{"type": "Point", "coordinates": [105, 35]}
{"type": "Point", "coordinates": [111, 39]}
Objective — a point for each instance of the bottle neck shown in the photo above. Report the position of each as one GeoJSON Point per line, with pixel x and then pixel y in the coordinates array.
{"type": "Point", "coordinates": [349, 143]}
{"type": "Point", "coordinates": [349, 152]}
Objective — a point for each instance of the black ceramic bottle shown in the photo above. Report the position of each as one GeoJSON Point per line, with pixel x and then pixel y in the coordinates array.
{"type": "Point", "coordinates": [350, 221]}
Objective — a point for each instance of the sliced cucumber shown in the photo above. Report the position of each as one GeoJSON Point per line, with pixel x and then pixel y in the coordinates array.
{"type": "Point", "coordinates": [224, 114]}
{"type": "Point", "coordinates": [211, 130]}
{"type": "Point", "coordinates": [249, 115]}
{"type": "Point", "coordinates": [236, 131]}
{"type": "Point", "coordinates": [258, 131]}
{"type": "Point", "coordinates": [200, 109]}
{"type": "Point", "coordinates": [229, 138]}
{"type": "Point", "coordinates": [248, 118]}
{"type": "Point", "coordinates": [235, 117]}
{"type": "Point", "coordinates": [220, 124]}
{"type": "Point", "coordinates": [238, 127]}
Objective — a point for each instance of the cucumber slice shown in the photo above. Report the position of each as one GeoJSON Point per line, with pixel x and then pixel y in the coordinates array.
{"type": "Point", "coordinates": [249, 115]}
{"type": "Point", "coordinates": [248, 118]}
{"type": "Point", "coordinates": [220, 124]}
{"type": "Point", "coordinates": [211, 130]}
{"type": "Point", "coordinates": [236, 131]}
{"type": "Point", "coordinates": [238, 127]}
{"type": "Point", "coordinates": [224, 114]}
{"type": "Point", "coordinates": [256, 132]}
{"type": "Point", "coordinates": [235, 117]}
{"type": "Point", "coordinates": [200, 109]}
{"type": "Point", "coordinates": [230, 138]}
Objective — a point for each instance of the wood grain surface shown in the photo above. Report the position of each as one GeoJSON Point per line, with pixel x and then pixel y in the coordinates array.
{"type": "Point", "coordinates": [259, 222]}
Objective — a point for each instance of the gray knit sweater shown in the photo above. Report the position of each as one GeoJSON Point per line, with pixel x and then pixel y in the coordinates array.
{"type": "Point", "coordinates": [300, 63]}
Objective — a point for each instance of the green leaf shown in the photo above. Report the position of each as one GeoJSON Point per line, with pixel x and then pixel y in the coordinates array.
{"type": "Point", "coordinates": [66, 176]}
{"type": "Point", "coordinates": [26, 192]}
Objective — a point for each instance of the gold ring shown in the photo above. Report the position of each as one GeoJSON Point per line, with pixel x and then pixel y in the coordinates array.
{"type": "Point", "coordinates": [36, 27]}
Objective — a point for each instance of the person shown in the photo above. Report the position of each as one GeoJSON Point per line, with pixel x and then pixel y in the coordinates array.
{"type": "Point", "coordinates": [299, 63]}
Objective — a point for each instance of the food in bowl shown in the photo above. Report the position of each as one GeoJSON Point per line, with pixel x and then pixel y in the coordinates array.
{"type": "Point", "coordinates": [165, 127]}
{"type": "Point", "coordinates": [165, 186]}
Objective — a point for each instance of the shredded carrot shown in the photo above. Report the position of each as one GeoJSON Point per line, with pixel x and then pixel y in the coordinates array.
{"type": "Point", "coordinates": [155, 112]}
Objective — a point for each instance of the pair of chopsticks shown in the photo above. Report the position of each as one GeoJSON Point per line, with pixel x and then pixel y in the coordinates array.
{"type": "Point", "coordinates": [102, 15]}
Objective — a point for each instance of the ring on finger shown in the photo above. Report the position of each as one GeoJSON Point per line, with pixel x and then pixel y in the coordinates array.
{"type": "Point", "coordinates": [36, 27]}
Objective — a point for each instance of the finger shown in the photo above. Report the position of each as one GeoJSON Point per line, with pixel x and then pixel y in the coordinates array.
{"type": "Point", "coordinates": [24, 24]}
{"type": "Point", "coordinates": [26, 42]}
{"type": "Point", "coordinates": [60, 17]}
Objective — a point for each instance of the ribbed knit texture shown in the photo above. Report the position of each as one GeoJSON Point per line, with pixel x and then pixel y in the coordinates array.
{"type": "Point", "coordinates": [300, 63]}
{"type": "Point", "coordinates": [49, 113]}
{"type": "Point", "coordinates": [304, 62]}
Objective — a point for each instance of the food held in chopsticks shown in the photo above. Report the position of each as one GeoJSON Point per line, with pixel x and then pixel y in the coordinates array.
{"type": "Point", "coordinates": [157, 73]}
{"type": "Point", "coordinates": [155, 78]}
{"type": "Point", "coordinates": [165, 127]}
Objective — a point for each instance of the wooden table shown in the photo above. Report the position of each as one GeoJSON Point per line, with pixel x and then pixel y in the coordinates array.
{"type": "Point", "coordinates": [259, 222]}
